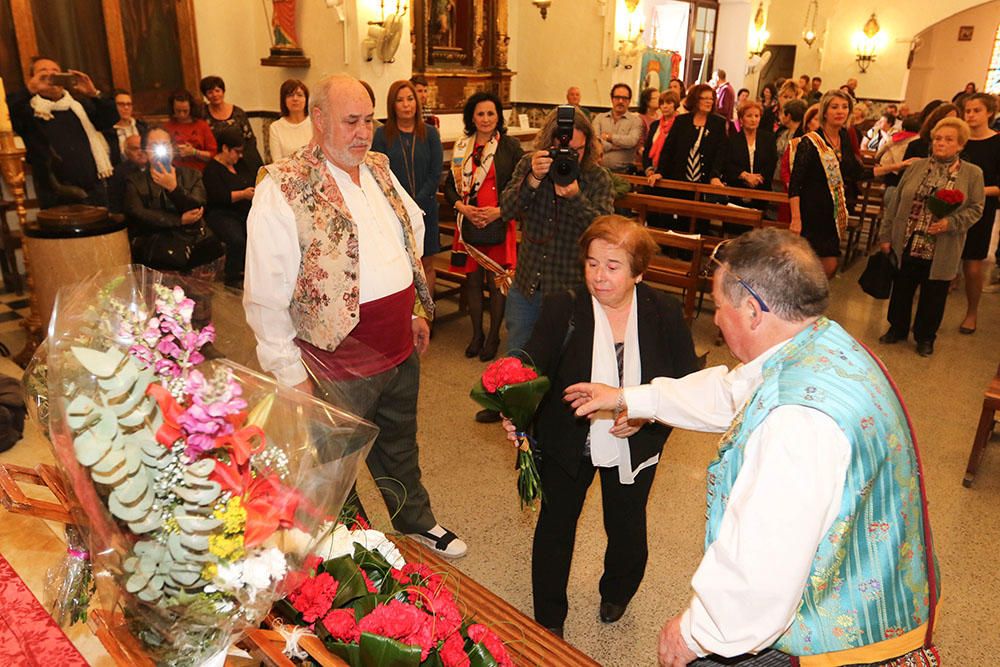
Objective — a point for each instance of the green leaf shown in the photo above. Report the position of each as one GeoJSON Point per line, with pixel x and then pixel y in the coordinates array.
{"type": "Point", "coordinates": [379, 651]}
{"type": "Point", "coordinates": [479, 656]}
{"type": "Point", "coordinates": [348, 576]}
{"type": "Point", "coordinates": [517, 402]}
{"type": "Point", "coordinates": [349, 653]}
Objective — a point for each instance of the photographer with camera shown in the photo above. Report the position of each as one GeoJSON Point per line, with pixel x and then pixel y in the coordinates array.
{"type": "Point", "coordinates": [69, 157]}
{"type": "Point", "coordinates": [556, 192]}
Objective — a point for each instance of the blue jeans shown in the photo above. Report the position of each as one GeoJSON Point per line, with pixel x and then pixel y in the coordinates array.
{"type": "Point", "coordinates": [522, 312]}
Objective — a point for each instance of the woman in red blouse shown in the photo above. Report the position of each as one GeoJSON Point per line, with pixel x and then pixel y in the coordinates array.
{"type": "Point", "coordinates": [192, 136]}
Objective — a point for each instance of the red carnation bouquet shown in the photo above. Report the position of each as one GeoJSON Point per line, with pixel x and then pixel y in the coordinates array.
{"type": "Point", "coordinates": [515, 390]}
{"type": "Point", "coordinates": [943, 202]}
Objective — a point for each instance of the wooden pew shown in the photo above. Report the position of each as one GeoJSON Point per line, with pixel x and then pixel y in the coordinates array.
{"type": "Point", "coordinates": [643, 205]}
{"type": "Point", "coordinates": [702, 189]}
{"type": "Point", "coordinates": [685, 274]}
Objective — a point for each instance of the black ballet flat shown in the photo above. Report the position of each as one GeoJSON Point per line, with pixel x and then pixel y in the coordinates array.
{"type": "Point", "coordinates": [475, 346]}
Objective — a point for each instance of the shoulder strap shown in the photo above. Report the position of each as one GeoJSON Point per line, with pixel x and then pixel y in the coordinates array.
{"type": "Point", "coordinates": [928, 546]}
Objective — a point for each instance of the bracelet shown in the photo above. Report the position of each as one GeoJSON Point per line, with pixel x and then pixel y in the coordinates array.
{"type": "Point", "coordinates": [533, 181]}
{"type": "Point", "coordinates": [620, 403]}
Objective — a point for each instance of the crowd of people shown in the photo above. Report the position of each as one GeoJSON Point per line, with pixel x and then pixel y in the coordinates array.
{"type": "Point", "coordinates": [333, 240]}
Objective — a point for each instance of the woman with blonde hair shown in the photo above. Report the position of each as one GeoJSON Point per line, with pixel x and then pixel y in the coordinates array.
{"type": "Point", "coordinates": [825, 164]}
{"type": "Point", "coordinates": [929, 249]}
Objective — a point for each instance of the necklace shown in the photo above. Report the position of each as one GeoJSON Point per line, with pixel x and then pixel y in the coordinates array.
{"type": "Point", "coordinates": [410, 165]}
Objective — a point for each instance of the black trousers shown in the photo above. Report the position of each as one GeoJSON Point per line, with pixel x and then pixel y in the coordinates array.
{"type": "Point", "coordinates": [555, 534]}
{"type": "Point", "coordinates": [232, 229]}
{"type": "Point", "coordinates": [913, 274]}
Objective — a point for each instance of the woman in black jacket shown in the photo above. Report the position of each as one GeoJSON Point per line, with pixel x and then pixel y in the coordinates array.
{"type": "Point", "coordinates": [481, 166]}
{"type": "Point", "coordinates": [749, 157]}
{"type": "Point", "coordinates": [618, 329]}
{"type": "Point", "coordinates": [693, 145]}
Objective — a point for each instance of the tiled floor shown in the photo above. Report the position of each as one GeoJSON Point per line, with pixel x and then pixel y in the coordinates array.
{"type": "Point", "coordinates": [468, 469]}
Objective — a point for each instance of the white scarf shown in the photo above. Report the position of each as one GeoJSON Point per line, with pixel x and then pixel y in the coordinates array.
{"type": "Point", "coordinates": [469, 177]}
{"type": "Point", "coordinates": [43, 109]}
{"type": "Point", "coordinates": [607, 451]}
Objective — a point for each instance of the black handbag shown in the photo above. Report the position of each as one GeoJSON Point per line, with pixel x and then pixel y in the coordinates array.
{"type": "Point", "coordinates": [492, 234]}
{"type": "Point", "coordinates": [877, 278]}
{"type": "Point", "coordinates": [178, 249]}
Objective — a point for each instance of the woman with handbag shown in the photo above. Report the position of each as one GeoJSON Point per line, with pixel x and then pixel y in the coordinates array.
{"type": "Point", "coordinates": [415, 157]}
{"type": "Point", "coordinates": [481, 166]}
{"type": "Point", "coordinates": [617, 330]}
{"type": "Point", "coordinates": [928, 248]}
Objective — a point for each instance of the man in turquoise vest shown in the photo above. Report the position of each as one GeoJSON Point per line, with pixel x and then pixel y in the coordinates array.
{"type": "Point", "coordinates": [815, 542]}
{"type": "Point", "coordinates": [336, 294]}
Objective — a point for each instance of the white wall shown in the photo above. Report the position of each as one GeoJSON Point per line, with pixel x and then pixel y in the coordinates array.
{"type": "Point", "coordinates": [832, 55]}
{"type": "Point", "coordinates": [967, 61]}
{"type": "Point", "coordinates": [233, 35]}
{"type": "Point", "coordinates": [731, 43]}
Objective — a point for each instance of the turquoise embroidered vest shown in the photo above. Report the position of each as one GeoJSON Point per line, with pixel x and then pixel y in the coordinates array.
{"type": "Point", "coordinates": [326, 301]}
{"type": "Point", "coordinates": [868, 581]}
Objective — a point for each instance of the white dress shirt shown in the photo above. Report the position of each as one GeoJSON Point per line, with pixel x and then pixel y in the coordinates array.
{"type": "Point", "coordinates": [273, 257]}
{"type": "Point", "coordinates": [785, 498]}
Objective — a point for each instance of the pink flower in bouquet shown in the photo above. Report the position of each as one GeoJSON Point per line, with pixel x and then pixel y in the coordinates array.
{"type": "Point", "coordinates": [342, 626]}
{"type": "Point", "coordinates": [314, 597]}
{"type": "Point", "coordinates": [212, 402]}
{"type": "Point", "coordinates": [482, 634]}
{"type": "Point", "coordinates": [503, 372]}
{"type": "Point", "coordinates": [453, 653]}
{"type": "Point", "coordinates": [402, 622]}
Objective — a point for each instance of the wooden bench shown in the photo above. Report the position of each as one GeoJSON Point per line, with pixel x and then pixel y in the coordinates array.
{"type": "Point", "coordinates": [643, 205]}
{"type": "Point", "coordinates": [987, 422]}
{"type": "Point", "coordinates": [685, 274]}
{"type": "Point", "coordinates": [865, 219]}
{"type": "Point", "coordinates": [702, 189]}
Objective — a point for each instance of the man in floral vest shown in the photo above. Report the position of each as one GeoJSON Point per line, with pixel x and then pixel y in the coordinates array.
{"type": "Point", "coordinates": [817, 546]}
{"type": "Point", "coordinates": [336, 295]}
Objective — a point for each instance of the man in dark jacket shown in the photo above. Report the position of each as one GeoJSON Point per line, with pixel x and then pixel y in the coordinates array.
{"type": "Point", "coordinates": [68, 154]}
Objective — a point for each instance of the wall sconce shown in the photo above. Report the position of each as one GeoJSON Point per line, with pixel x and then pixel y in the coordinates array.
{"type": "Point", "coordinates": [760, 34]}
{"type": "Point", "coordinates": [385, 34]}
{"type": "Point", "coordinates": [866, 44]}
{"type": "Point", "coordinates": [630, 46]}
{"type": "Point", "coordinates": [543, 7]}
{"type": "Point", "coordinates": [809, 27]}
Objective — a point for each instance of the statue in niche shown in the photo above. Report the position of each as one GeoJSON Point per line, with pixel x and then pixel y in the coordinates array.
{"type": "Point", "coordinates": [443, 23]}
{"type": "Point", "coordinates": [283, 24]}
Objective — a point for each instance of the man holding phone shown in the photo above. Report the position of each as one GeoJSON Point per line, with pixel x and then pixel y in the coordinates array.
{"type": "Point", "coordinates": [69, 156]}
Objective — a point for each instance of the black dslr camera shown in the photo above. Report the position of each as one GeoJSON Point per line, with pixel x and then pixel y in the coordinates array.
{"type": "Point", "coordinates": [565, 164]}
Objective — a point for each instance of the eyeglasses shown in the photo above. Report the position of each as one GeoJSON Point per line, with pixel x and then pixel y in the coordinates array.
{"type": "Point", "coordinates": [756, 297]}
{"type": "Point", "coordinates": [624, 98]}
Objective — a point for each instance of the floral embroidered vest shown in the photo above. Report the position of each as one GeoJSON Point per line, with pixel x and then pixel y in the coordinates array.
{"type": "Point", "coordinates": [868, 581]}
{"type": "Point", "coordinates": [326, 300]}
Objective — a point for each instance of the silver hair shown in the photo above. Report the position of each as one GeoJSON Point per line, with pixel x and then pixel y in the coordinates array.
{"type": "Point", "coordinates": [782, 268]}
{"type": "Point", "coordinates": [320, 100]}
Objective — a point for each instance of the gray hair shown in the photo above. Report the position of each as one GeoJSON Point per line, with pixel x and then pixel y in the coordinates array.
{"type": "Point", "coordinates": [320, 101]}
{"type": "Point", "coordinates": [782, 268]}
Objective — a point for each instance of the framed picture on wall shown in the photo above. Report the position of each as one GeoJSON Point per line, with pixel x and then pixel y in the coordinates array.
{"type": "Point", "coordinates": [965, 33]}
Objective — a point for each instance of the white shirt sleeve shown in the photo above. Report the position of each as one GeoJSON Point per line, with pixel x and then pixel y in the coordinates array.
{"type": "Point", "coordinates": [272, 268]}
{"type": "Point", "coordinates": [702, 401]}
{"type": "Point", "coordinates": [786, 496]}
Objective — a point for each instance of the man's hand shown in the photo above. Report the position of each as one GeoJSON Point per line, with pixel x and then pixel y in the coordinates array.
{"type": "Point", "coordinates": [568, 191]}
{"type": "Point", "coordinates": [39, 83]}
{"type": "Point", "coordinates": [421, 334]}
{"type": "Point", "coordinates": [672, 650]}
{"type": "Point", "coordinates": [540, 164]}
{"type": "Point", "coordinates": [938, 226]}
{"type": "Point", "coordinates": [163, 175]}
{"type": "Point", "coordinates": [192, 216]}
{"type": "Point", "coordinates": [84, 84]}
{"type": "Point", "coordinates": [590, 397]}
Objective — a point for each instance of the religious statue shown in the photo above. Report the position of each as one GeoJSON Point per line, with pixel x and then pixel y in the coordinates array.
{"type": "Point", "coordinates": [443, 23]}
{"type": "Point", "coordinates": [285, 49]}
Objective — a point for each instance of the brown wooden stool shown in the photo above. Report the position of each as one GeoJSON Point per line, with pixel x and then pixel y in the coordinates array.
{"type": "Point", "coordinates": [987, 420]}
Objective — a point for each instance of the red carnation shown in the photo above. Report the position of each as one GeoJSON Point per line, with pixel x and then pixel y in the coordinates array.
{"type": "Point", "coordinates": [314, 597]}
{"type": "Point", "coordinates": [312, 563]}
{"type": "Point", "coordinates": [950, 196]}
{"type": "Point", "coordinates": [425, 575]}
{"type": "Point", "coordinates": [369, 584]}
{"type": "Point", "coordinates": [342, 627]}
{"type": "Point", "coordinates": [453, 653]}
{"type": "Point", "coordinates": [402, 622]}
{"type": "Point", "coordinates": [481, 634]}
{"type": "Point", "coordinates": [441, 603]}
{"type": "Point", "coordinates": [503, 372]}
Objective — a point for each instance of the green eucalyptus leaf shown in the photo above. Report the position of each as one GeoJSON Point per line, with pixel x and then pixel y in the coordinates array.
{"type": "Point", "coordinates": [152, 521]}
{"type": "Point", "coordinates": [195, 542]}
{"type": "Point", "coordinates": [202, 468]}
{"type": "Point", "coordinates": [124, 512]}
{"type": "Point", "coordinates": [137, 582]}
{"type": "Point", "coordinates": [185, 578]}
{"type": "Point", "coordinates": [196, 524]}
{"type": "Point", "coordinates": [101, 364]}
{"type": "Point", "coordinates": [112, 459]}
{"type": "Point", "coordinates": [79, 411]}
{"type": "Point", "coordinates": [200, 496]}
{"type": "Point", "coordinates": [88, 449]}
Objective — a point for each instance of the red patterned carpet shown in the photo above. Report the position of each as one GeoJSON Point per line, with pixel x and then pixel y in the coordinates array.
{"type": "Point", "coordinates": [28, 635]}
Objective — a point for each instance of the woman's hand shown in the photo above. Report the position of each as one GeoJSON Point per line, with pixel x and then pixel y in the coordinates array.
{"type": "Point", "coordinates": [653, 178]}
{"type": "Point", "coordinates": [186, 150]}
{"type": "Point", "coordinates": [939, 226]}
{"type": "Point", "coordinates": [625, 427]}
{"type": "Point", "coordinates": [718, 182]}
{"type": "Point", "coordinates": [795, 226]}
{"type": "Point", "coordinates": [508, 426]}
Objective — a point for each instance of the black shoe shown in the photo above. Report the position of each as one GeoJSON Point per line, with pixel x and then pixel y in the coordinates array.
{"type": "Point", "coordinates": [558, 632]}
{"type": "Point", "coordinates": [487, 416]}
{"type": "Point", "coordinates": [890, 337]}
{"type": "Point", "coordinates": [925, 348]}
{"type": "Point", "coordinates": [611, 612]}
{"type": "Point", "coordinates": [475, 346]}
{"type": "Point", "coordinates": [489, 352]}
